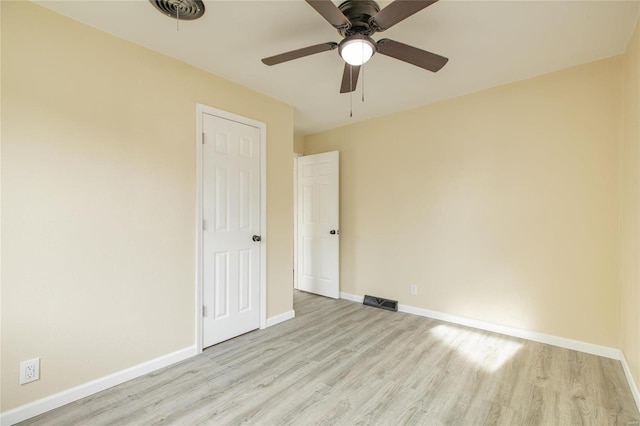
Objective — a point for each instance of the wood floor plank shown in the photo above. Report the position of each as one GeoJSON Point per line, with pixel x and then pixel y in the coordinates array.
{"type": "Point", "coordinates": [342, 363]}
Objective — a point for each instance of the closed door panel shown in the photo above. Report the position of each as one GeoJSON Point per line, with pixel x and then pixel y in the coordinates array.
{"type": "Point", "coordinates": [231, 212]}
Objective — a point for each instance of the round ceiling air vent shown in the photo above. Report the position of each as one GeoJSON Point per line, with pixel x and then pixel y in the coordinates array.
{"type": "Point", "coordinates": [187, 10]}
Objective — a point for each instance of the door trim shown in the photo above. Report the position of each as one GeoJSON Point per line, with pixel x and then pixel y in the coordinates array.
{"type": "Point", "coordinates": [295, 219]}
{"type": "Point", "coordinates": [204, 109]}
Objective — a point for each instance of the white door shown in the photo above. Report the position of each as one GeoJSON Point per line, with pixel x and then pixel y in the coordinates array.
{"type": "Point", "coordinates": [231, 234]}
{"type": "Point", "coordinates": [318, 225]}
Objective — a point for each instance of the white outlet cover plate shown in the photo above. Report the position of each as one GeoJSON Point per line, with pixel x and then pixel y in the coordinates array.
{"type": "Point", "coordinates": [29, 370]}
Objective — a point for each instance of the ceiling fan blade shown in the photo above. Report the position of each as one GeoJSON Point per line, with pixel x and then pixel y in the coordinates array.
{"type": "Point", "coordinates": [349, 78]}
{"type": "Point", "coordinates": [299, 53]}
{"type": "Point", "coordinates": [398, 11]}
{"type": "Point", "coordinates": [413, 55]}
{"type": "Point", "coordinates": [330, 12]}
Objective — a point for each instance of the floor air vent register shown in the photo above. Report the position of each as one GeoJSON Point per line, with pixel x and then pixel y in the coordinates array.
{"type": "Point", "coordinates": [379, 302]}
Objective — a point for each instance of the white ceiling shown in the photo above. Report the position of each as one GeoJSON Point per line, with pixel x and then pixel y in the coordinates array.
{"type": "Point", "coordinates": [488, 43]}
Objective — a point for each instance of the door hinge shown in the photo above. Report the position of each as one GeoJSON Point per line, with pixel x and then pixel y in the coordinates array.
{"type": "Point", "coordinates": [202, 138]}
{"type": "Point", "coordinates": [204, 225]}
{"type": "Point", "coordinates": [204, 311]}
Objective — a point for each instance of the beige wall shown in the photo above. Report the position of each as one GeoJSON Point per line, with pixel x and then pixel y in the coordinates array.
{"type": "Point", "coordinates": [98, 195]}
{"type": "Point", "coordinates": [500, 205]}
{"type": "Point", "coordinates": [298, 144]}
{"type": "Point", "coordinates": [630, 271]}
{"type": "Point", "coordinates": [0, 208]}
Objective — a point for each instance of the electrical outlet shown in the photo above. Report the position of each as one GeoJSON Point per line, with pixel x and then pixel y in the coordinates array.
{"type": "Point", "coordinates": [29, 370]}
{"type": "Point", "coordinates": [414, 289]}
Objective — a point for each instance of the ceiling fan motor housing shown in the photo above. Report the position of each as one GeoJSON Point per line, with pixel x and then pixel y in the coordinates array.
{"type": "Point", "coordinates": [359, 13]}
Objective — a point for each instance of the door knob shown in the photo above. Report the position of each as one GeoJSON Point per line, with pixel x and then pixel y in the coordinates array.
{"type": "Point", "coordinates": [256, 238]}
{"type": "Point", "coordinates": [334, 232]}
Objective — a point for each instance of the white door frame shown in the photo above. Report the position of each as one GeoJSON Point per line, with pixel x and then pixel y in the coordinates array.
{"type": "Point", "coordinates": [204, 109]}
{"type": "Point", "coordinates": [295, 219]}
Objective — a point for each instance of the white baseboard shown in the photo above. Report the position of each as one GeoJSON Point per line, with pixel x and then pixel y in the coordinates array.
{"type": "Point", "coordinates": [535, 336]}
{"type": "Point", "coordinates": [281, 318]}
{"type": "Point", "coordinates": [632, 383]}
{"type": "Point", "coordinates": [51, 402]}
{"type": "Point", "coordinates": [351, 297]}
{"type": "Point", "coordinates": [562, 342]}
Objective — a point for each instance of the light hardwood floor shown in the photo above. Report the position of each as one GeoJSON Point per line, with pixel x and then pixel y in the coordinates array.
{"type": "Point", "coordinates": [339, 362]}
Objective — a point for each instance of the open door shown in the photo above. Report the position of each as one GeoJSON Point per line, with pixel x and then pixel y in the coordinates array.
{"type": "Point", "coordinates": [318, 224]}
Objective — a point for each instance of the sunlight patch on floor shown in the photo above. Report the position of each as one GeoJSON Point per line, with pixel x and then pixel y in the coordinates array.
{"type": "Point", "coordinates": [488, 351]}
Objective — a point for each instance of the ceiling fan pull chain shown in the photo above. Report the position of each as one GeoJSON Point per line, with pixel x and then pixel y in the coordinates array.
{"type": "Point", "coordinates": [178, 16]}
{"type": "Point", "coordinates": [351, 91]}
{"type": "Point", "coordinates": [362, 83]}
{"type": "Point", "coordinates": [362, 46]}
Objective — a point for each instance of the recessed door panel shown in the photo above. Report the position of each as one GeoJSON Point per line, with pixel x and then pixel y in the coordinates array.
{"type": "Point", "coordinates": [244, 195]}
{"type": "Point", "coordinates": [221, 199]}
{"type": "Point", "coordinates": [307, 257]}
{"type": "Point", "coordinates": [246, 145]}
{"type": "Point", "coordinates": [307, 204]}
{"type": "Point", "coordinates": [222, 142]}
{"type": "Point", "coordinates": [221, 285]}
{"type": "Point", "coordinates": [244, 280]}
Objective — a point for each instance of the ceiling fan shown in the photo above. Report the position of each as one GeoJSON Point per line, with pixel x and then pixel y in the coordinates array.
{"type": "Point", "coordinates": [356, 21]}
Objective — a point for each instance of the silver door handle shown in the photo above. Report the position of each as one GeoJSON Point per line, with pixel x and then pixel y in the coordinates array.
{"type": "Point", "coordinates": [256, 238]}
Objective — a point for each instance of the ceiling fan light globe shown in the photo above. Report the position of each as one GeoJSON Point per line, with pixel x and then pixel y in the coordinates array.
{"type": "Point", "coordinates": [356, 51]}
